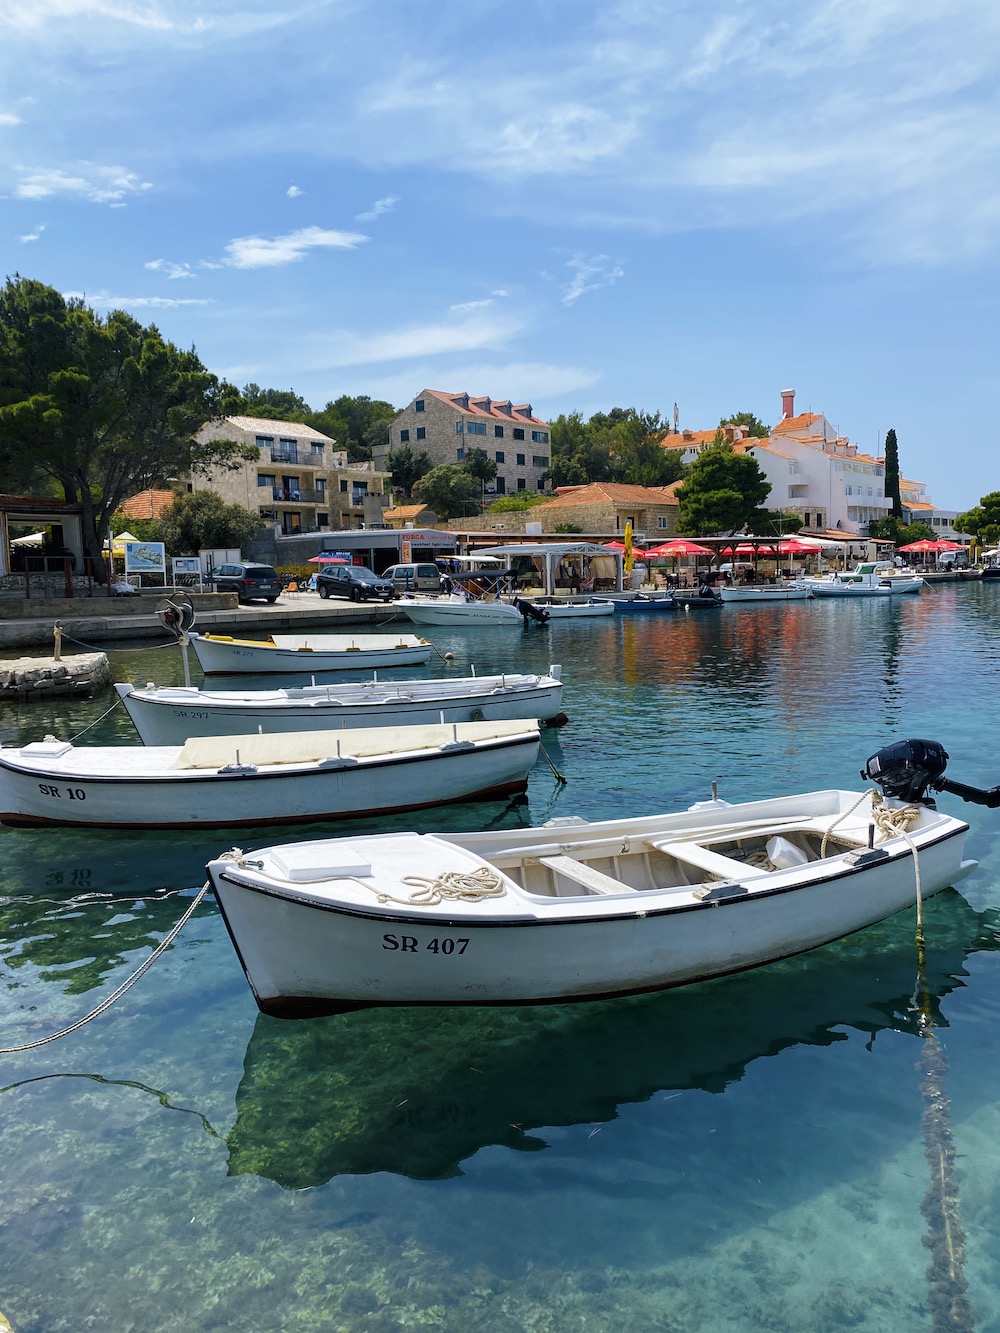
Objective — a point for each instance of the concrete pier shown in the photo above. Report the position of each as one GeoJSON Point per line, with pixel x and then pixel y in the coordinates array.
{"type": "Point", "coordinates": [39, 677]}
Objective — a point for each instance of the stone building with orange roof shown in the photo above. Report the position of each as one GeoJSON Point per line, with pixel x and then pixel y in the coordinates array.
{"type": "Point", "coordinates": [446, 426]}
{"type": "Point", "coordinates": [603, 507]}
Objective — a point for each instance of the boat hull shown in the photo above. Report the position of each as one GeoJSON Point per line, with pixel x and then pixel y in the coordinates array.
{"type": "Point", "coordinates": [642, 606]}
{"type": "Point", "coordinates": [765, 593]}
{"type": "Point", "coordinates": [169, 715]}
{"type": "Point", "coordinates": [111, 787]}
{"type": "Point", "coordinates": [220, 655]}
{"type": "Point", "coordinates": [828, 588]}
{"type": "Point", "coordinates": [305, 956]}
{"type": "Point", "coordinates": [558, 609]}
{"type": "Point", "coordinates": [458, 614]}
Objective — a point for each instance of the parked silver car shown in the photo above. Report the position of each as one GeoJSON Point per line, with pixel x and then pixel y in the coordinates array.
{"type": "Point", "coordinates": [414, 577]}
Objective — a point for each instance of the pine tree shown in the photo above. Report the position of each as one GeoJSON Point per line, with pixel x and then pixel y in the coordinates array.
{"type": "Point", "coordinates": [892, 474]}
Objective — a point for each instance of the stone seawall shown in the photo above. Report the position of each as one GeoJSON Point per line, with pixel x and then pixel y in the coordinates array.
{"type": "Point", "coordinates": [40, 677]}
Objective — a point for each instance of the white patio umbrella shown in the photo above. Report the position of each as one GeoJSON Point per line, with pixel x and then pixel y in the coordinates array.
{"type": "Point", "coordinates": [32, 539]}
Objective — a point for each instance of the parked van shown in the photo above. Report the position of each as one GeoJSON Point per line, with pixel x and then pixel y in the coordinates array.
{"type": "Point", "coordinates": [414, 578]}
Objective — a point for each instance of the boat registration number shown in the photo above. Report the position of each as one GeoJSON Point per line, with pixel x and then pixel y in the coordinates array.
{"type": "Point", "coordinates": [74, 793]}
{"type": "Point", "coordinates": [410, 944]}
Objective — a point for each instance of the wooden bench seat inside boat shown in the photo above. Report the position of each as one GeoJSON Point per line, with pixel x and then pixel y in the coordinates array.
{"type": "Point", "coordinates": [593, 880]}
{"type": "Point", "coordinates": [691, 853]}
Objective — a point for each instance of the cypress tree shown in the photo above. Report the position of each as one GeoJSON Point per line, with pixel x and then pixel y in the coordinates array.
{"type": "Point", "coordinates": [892, 474]}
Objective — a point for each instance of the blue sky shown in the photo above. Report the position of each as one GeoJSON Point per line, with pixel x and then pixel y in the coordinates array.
{"type": "Point", "coordinates": [575, 204]}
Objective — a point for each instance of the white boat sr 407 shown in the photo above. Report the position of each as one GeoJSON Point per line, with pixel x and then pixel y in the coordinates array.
{"type": "Point", "coordinates": [571, 910]}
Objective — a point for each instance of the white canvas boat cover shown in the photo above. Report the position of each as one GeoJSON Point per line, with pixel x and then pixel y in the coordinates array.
{"type": "Point", "coordinates": [311, 747]}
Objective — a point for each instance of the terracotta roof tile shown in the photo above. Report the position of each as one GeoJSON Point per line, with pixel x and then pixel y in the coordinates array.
{"type": "Point", "coordinates": [147, 504]}
{"type": "Point", "coordinates": [603, 492]}
{"type": "Point", "coordinates": [471, 404]}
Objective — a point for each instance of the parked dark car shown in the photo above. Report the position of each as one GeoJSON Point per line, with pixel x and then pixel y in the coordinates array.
{"type": "Point", "coordinates": [248, 581]}
{"type": "Point", "coordinates": [354, 581]}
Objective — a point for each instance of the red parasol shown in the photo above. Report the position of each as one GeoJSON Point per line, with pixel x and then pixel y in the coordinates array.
{"type": "Point", "coordinates": [795, 546]}
{"type": "Point", "coordinates": [923, 545]}
{"type": "Point", "coordinates": [679, 546]}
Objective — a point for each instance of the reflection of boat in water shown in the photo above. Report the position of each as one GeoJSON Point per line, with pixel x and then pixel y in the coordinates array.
{"type": "Point", "coordinates": [419, 1091]}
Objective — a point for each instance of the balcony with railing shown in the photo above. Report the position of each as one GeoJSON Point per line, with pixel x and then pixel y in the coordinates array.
{"type": "Point", "coordinates": [285, 454]}
{"type": "Point", "coordinates": [306, 495]}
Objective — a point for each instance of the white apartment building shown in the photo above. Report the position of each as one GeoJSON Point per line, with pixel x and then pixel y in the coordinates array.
{"type": "Point", "coordinates": [299, 481]}
{"type": "Point", "coordinates": [446, 426]}
{"type": "Point", "coordinates": [819, 474]}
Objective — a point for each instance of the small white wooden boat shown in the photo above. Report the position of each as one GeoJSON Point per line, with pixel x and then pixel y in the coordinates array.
{"type": "Point", "coordinates": [565, 608]}
{"type": "Point", "coordinates": [766, 592]}
{"type": "Point", "coordinates": [834, 585]}
{"type": "Point", "coordinates": [571, 910]}
{"type": "Point", "coordinates": [252, 781]}
{"type": "Point", "coordinates": [169, 714]}
{"type": "Point", "coordinates": [459, 611]}
{"type": "Point", "coordinates": [222, 655]}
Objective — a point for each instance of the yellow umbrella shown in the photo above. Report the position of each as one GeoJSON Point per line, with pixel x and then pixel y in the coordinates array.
{"type": "Point", "coordinates": [627, 543]}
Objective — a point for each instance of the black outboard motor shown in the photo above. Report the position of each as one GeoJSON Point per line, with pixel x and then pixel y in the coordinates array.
{"type": "Point", "coordinates": [529, 611]}
{"type": "Point", "coordinates": [906, 770]}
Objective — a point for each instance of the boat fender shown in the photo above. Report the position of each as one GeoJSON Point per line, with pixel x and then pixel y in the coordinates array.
{"type": "Point", "coordinates": [783, 854]}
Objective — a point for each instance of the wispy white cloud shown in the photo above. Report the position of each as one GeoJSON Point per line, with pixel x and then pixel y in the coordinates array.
{"type": "Point", "coordinates": [29, 14]}
{"type": "Point", "coordinates": [261, 252]}
{"type": "Point", "coordinates": [171, 269]}
{"type": "Point", "coordinates": [100, 185]}
{"type": "Point", "coordinates": [379, 207]}
{"type": "Point", "coordinates": [9, 118]}
{"type": "Point", "coordinates": [463, 307]}
{"type": "Point", "coordinates": [32, 235]}
{"type": "Point", "coordinates": [417, 340]}
{"type": "Point", "coordinates": [293, 192]}
{"type": "Point", "coordinates": [588, 274]}
{"type": "Point", "coordinates": [104, 301]}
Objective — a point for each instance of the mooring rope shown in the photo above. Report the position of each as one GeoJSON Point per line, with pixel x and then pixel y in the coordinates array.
{"type": "Point", "coordinates": [136, 648]}
{"type": "Point", "coordinates": [948, 1290]}
{"type": "Point", "coordinates": [119, 991]}
{"type": "Point", "coordinates": [458, 885]}
{"type": "Point", "coordinates": [91, 725]}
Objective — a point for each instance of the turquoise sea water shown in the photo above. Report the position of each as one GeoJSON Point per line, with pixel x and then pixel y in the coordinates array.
{"type": "Point", "coordinates": [744, 1154]}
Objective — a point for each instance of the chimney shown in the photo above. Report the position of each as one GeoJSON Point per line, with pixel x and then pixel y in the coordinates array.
{"type": "Point", "coordinates": [787, 403]}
